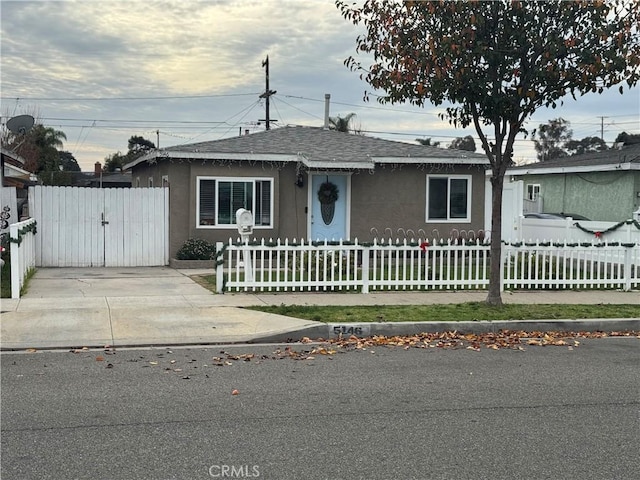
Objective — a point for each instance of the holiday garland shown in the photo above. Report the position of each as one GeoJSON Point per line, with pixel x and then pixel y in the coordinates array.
{"type": "Point", "coordinates": [600, 233]}
{"type": "Point", "coordinates": [23, 231]}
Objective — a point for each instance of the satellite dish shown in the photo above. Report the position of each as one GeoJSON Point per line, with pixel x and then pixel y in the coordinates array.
{"type": "Point", "coordinates": [20, 124]}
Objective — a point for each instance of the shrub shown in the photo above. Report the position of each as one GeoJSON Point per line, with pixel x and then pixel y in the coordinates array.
{"type": "Point", "coordinates": [196, 249]}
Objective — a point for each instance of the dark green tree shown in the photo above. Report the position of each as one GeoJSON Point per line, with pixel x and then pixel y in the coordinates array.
{"type": "Point", "coordinates": [628, 139]}
{"type": "Point", "coordinates": [115, 162]}
{"type": "Point", "coordinates": [344, 124]}
{"type": "Point", "coordinates": [40, 148]}
{"type": "Point", "coordinates": [586, 145]}
{"type": "Point", "coordinates": [493, 64]}
{"type": "Point", "coordinates": [427, 142]}
{"type": "Point", "coordinates": [464, 143]}
{"type": "Point", "coordinates": [68, 162]}
{"type": "Point", "coordinates": [550, 138]}
{"type": "Point", "coordinates": [138, 146]}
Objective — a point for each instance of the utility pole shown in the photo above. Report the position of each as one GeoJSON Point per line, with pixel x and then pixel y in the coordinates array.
{"type": "Point", "coordinates": [158, 138]}
{"type": "Point", "coordinates": [602, 127]}
{"type": "Point", "coordinates": [267, 93]}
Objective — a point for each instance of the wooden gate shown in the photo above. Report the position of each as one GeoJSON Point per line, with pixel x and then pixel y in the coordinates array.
{"type": "Point", "coordinates": [93, 227]}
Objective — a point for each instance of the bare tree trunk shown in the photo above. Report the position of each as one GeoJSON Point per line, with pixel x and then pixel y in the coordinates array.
{"type": "Point", "coordinates": [495, 274]}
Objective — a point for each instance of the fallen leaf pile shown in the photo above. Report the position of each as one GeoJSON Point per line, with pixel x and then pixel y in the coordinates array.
{"type": "Point", "coordinates": [307, 349]}
{"type": "Point", "coordinates": [512, 339]}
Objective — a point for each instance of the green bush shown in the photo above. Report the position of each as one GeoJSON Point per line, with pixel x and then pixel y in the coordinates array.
{"type": "Point", "coordinates": [196, 249]}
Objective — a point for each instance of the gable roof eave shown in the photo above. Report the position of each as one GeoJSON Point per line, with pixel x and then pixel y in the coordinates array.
{"type": "Point", "coordinates": [251, 157]}
{"type": "Point", "coordinates": [611, 167]}
{"type": "Point", "coordinates": [436, 160]}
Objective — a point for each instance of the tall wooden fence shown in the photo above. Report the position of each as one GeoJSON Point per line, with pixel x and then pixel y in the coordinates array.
{"type": "Point", "coordinates": [421, 265]}
{"type": "Point", "coordinates": [92, 227]}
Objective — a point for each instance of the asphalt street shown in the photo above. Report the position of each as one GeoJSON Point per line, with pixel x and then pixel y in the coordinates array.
{"type": "Point", "coordinates": [255, 411]}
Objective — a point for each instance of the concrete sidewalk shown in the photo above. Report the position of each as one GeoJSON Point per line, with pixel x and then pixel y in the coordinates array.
{"type": "Point", "coordinates": [76, 307]}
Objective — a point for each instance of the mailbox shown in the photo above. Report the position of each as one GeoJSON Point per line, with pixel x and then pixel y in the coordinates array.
{"type": "Point", "coordinates": [244, 220]}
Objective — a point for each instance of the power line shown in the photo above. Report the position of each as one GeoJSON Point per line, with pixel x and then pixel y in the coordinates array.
{"type": "Point", "coordinates": [129, 121]}
{"type": "Point", "coordinates": [362, 106]}
{"type": "Point", "coordinates": [102, 99]}
{"type": "Point", "coordinates": [296, 108]}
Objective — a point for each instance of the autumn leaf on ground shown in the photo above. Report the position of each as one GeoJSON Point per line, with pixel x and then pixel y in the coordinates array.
{"type": "Point", "coordinates": [509, 339]}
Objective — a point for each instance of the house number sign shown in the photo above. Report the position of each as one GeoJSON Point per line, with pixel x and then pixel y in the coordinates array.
{"type": "Point", "coordinates": [348, 330]}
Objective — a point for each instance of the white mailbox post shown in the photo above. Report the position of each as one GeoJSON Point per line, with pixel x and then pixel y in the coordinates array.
{"type": "Point", "coordinates": [244, 221]}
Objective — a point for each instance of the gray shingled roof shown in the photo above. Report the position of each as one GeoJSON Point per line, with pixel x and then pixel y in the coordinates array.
{"type": "Point", "coordinates": [315, 146]}
{"type": "Point", "coordinates": [626, 154]}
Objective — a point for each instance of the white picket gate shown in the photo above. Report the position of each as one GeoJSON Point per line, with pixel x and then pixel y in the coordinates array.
{"type": "Point", "coordinates": [94, 227]}
{"type": "Point", "coordinates": [420, 265]}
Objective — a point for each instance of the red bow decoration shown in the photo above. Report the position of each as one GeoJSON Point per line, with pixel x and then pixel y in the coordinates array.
{"type": "Point", "coordinates": [598, 234]}
{"type": "Point", "coordinates": [423, 246]}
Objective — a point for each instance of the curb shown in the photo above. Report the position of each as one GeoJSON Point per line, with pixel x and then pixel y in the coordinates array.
{"type": "Point", "coordinates": [388, 329]}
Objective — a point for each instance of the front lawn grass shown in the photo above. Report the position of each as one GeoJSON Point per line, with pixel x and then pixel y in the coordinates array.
{"type": "Point", "coordinates": [471, 311]}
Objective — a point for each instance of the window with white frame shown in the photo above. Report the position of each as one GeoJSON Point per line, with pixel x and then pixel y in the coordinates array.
{"type": "Point", "coordinates": [220, 197]}
{"type": "Point", "coordinates": [150, 182]}
{"type": "Point", "coordinates": [533, 191]}
{"type": "Point", "coordinates": [448, 198]}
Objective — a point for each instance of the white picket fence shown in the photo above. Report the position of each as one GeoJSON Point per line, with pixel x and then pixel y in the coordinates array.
{"type": "Point", "coordinates": [571, 265]}
{"type": "Point", "coordinates": [23, 253]}
{"type": "Point", "coordinates": [269, 266]}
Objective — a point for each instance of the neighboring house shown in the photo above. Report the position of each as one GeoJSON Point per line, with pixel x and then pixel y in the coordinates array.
{"type": "Point", "coordinates": [15, 176]}
{"type": "Point", "coordinates": [277, 174]}
{"type": "Point", "coordinates": [600, 186]}
{"type": "Point", "coordinates": [100, 179]}
{"type": "Point", "coordinates": [111, 180]}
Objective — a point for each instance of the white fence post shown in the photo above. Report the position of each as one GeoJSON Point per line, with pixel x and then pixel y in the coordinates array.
{"type": "Point", "coordinates": [627, 269]}
{"type": "Point", "coordinates": [22, 254]}
{"type": "Point", "coordinates": [503, 264]}
{"type": "Point", "coordinates": [365, 268]}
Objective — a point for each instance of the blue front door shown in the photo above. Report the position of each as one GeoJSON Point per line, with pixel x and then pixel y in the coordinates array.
{"type": "Point", "coordinates": [329, 218]}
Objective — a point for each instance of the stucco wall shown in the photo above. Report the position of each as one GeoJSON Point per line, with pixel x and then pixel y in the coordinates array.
{"type": "Point", "coordinates": [395, 198]}
{"type": "Point", "coordinates": [605, 196]}
{"type": "Point", "coordinates": [389, 198]}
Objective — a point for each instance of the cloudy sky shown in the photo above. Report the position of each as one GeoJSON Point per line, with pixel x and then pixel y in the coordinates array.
{"type": "Point", "coordinates": [190, 71]}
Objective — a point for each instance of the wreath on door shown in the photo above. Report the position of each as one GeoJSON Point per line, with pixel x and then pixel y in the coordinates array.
{"type": "Point", "coordinates": [327, 196]}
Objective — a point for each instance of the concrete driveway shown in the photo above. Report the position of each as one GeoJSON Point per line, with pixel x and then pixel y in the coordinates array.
{"type": "Point", "coordinates": [76, 307]}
